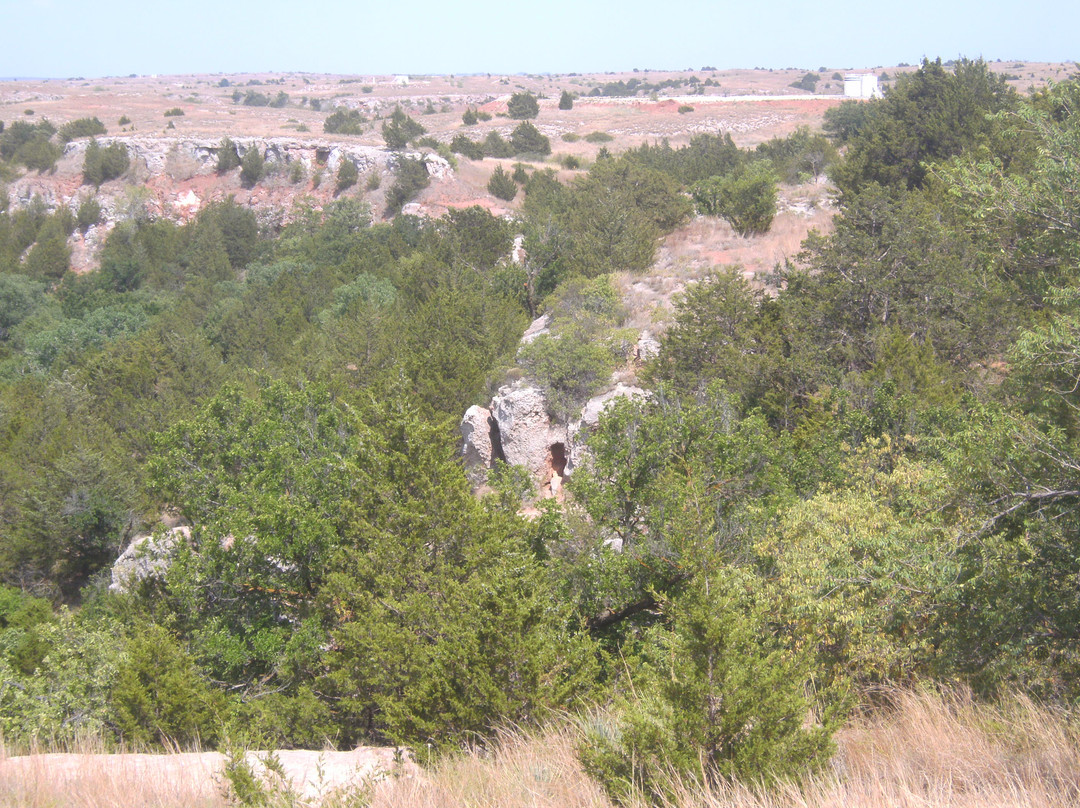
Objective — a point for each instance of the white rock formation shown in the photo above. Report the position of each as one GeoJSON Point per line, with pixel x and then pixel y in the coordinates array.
{"type": "Point", "coordinates": [518, 430]}
{"type": "Point", "coordinates": [148, 556]}
{"type": "Point", "coordinates": [537, 328]}
{"type": "Point", "coordinates": [525, 430]}
{"type": "Point", "coordinates": [477, 451]}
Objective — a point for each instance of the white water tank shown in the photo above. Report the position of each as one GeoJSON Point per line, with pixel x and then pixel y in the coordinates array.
{"type": "Point", "coordinates": [859, 85]}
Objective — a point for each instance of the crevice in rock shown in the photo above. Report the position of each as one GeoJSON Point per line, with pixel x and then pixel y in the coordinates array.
{"type": "Point", "coordinates": [496, 441]}
{"type": "Point", "coordinates": [558, 458]}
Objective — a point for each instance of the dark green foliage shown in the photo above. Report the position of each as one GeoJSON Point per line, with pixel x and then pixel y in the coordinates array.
{"type": "Point", "coordinates": [502, 185]}
{"type": "Point", "coordinates": [251, 98]}
{"type": "Point", "coordinates": [705, 156]}
{"type": "Point", "coordinates": [252, 167]}
{"type": "Point", "coordinates": [400, 130]}
{"type": "Point", "coordinates": [102, 164]}
{"type": "Point", "coordinates": [495, 146]}
{"type": "Point", "coordinates": [566, 101]}
{"type": "Point", "coordinates": [569, 369]}
{"type": "Point", "coordinates": [462, 144]}
{"type": "Point", "coordinates": [89, 213]}
{"type": "Point", "coordinates": [227, 156]}
{"type": "Point", "coordinates": [598, 137]}
{"type": "Point", "coordinates": [347, 176]}
{"type": "Point", "coordinates": [30, 145]}
{"type": "Point", "coordinates": [175, 112]}
{"type": "Point", "coordinates": [344, 122]}
{"type": "Point", "coordinates": [238, 228]}
{"type": "Point", "coordinates": [527, 139]}
{"type": "Point", "coordinates": [50, 256]}
{"type": "Point", "coordinates": [747, 200]}
{"type": "Point", "coordinates": [474, 237]}
{"type": "Point", "coordinates": [124, 120]}
{"type": "Point", "coordinates": [469, 117]}
{"type": "Point", "coordinates": [521, 173]}
{"type": "Point", "coordinates": [280, 100]}
{"type": "Point", "coordinates": [83, 127]}
{"type": "Point", "coordinates": [713, 701]}
{"type": "Point", "coordinates": [410, 178]}
{"type": "Point", "coordinates": [160, 698]}
{"type": "Point", "coordinates": [522, 106]}
{"type": "Point", "coordinates": [929, 116]}
{"type": "Point", "coordinates": [19, 296]}
{"type": "Point", "coordinates": [798, 156]}
{"type": "Point", "coordinates": [808, 82]}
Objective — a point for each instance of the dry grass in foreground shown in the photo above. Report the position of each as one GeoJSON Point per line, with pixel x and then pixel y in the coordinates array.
{"type": "Point", "coordinates": [924, 749]}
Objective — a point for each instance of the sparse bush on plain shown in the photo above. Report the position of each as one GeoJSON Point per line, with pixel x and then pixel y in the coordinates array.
{"type": "Point", "coordinates": [522, 106]}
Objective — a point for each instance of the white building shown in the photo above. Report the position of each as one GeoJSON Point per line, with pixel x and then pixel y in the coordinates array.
{"type": "Point", "coordinates": [859, 85]}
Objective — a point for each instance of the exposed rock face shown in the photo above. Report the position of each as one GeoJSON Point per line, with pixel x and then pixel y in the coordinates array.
{"type": "Point", "coordinates": [148, 556]}
{"type": "Point", "coordinates": [537, 328]}
{"type": "Point", "coordinates": [518, 430]}
{"type": "Point", "coordinates": [525, 430]}
{"type": "Point", "coordinates": [477, 451]}
{"type": "Point", "coordinates": [156, 154]}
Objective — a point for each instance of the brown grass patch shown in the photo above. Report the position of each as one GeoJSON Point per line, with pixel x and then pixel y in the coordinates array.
{"type": "Point", "coordinates": [921, 749]}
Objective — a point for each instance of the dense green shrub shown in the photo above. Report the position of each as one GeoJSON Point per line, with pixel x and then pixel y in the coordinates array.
{"type": "Point", "coordinates": [252, 167]}
{"type": "Point", "coordinates": [102, 164]}
{"type": "Point", "coordinates": [175, 112]}
{"type": "Point", "coordinates": [227, 156]}
{"type": "Point", "coordinates": [495, 146]}
{"type": "Point", "coordinates": [747, 199]}
{"type": "Point", "coordinates": [502, 185]}
{"type": "Point", "coordinates": [462, 144]}
{"type": "Point", "coordinates": [82, 127]}
{"type": "Point", "coordinates": [400, 129]}
{"type": "Point", "coordinates": [808, 82]}
{"type": "Point", "coordinates": [598, 137]}
{"type": "Point", "coordinates": [527, 139]}
{"type": "Point", "coordinates": [344, 121]}
{"type": "Point", "coordinates": [566, 101]}
{"type": "Point", "coordinates": [469, 117]}
{"type": "Point", "coordinates": [410, 178]}
{"type": "Point", "coordinates": [522, 106]}
{"type": "Point", "coordinates": [89, 213]}
{"type": "Point", "coordinates": [716, 699]}
{"type": "Point", "coordinates": [347, 176]}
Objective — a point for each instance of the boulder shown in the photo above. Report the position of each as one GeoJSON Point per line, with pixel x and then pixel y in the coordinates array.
{"type": "Point", "coordinates": [148, 556]}
{"type": "Point", "coordinates": [476, 450]}
{"type": "Point", "coordinates": [526, 434]}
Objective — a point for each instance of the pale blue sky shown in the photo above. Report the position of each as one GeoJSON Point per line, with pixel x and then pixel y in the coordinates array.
{"type": "Point", "coordinates": [65, 38]}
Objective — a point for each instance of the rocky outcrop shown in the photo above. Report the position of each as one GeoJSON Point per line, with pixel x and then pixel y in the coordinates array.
{"type": "Point", "coordinates": [158, 154]}
{"type": "Point", "coordinates": [478, 452]}
{"type": "Point", "coordinates": [526, 433]}
{"type": "Point", "coordinates": [148, 556]}
{"type": "Point", "coordinates": [518, 430]}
